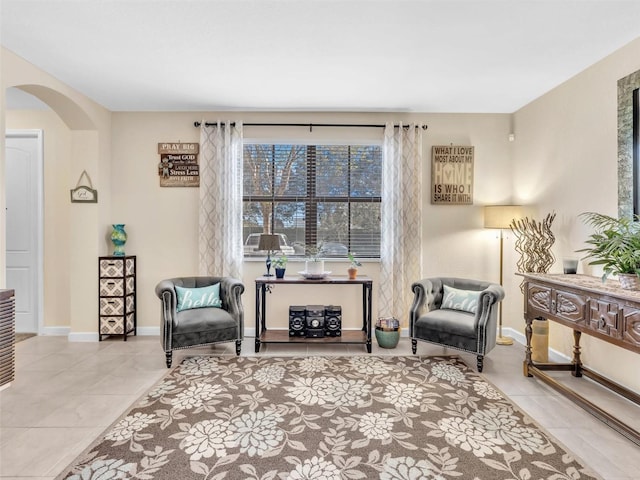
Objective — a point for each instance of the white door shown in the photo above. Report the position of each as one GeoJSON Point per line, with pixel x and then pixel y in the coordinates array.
{"type": "Point", "coordinates": [23, 182]}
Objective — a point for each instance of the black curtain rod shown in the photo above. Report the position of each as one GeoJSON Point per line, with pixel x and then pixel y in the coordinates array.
{"type": "Point", "coordinates": [310, 125]}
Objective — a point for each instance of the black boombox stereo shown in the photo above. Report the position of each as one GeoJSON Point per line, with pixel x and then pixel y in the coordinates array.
{"type": "Point", "coordinates": [315, 321]}
{"type": "Point", "coordinates": [297, 319]}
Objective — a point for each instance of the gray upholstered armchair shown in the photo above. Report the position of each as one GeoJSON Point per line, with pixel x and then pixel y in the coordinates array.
{"type": "Point", "coordinates": [456, 313]}
{"type": "Point", "coordinates": [197, 325]}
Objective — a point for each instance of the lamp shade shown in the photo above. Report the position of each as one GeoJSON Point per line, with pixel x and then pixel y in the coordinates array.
{"type": "Point", "coordinates": [269, 242]}
{"type": "Point", "coordinates": [501, 216]}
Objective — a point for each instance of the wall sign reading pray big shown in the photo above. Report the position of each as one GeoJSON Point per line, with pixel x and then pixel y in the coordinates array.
{"type": "Point", "coordinates": [178, 165]}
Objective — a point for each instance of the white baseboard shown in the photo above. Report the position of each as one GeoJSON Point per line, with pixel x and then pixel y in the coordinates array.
{"type": "Point", "coordinates": [251, 332]}
{"type": "Point", "coordinates": [93, 336]}
{"type": "Point", "coordinates": [83, 337]}
{"type": "Point", "coordinates": [148, 331]}
{"type": "Point", "coordinates": [55, 331]}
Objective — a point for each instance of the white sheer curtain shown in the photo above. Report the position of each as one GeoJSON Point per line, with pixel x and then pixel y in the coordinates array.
{"type": "Point", "coordinates": [220, 236]}
{"type": "Point", "coordinates": [401, 242]}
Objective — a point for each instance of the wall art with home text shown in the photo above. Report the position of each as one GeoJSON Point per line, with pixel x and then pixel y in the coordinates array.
{"type": "Point", "coordinates": [452, 175]}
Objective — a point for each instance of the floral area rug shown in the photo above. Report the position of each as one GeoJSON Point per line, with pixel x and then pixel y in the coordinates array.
{"type": "Point", "coordinates": [359, 417]}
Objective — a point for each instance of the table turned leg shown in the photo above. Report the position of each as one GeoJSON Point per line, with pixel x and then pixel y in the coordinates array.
{"type": "Point", "coordinates": [259, 313]}
{"type": "Point", "coordinates": [577, 364]}
{"type": "Point", "coordinates": [367, 291]}
{"type": "Point", "coordinates": [528, 331]}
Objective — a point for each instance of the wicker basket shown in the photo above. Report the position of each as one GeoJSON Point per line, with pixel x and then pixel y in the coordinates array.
{"type": "Point", "coordinates": [629, 281]}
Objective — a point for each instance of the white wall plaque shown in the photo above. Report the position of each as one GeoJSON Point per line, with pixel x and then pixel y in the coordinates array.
{"type": "Point", "coordinates": [84, 193]}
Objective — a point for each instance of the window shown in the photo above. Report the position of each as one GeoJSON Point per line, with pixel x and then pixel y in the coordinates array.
{"type": "Point", "coordinates": [326, 195]}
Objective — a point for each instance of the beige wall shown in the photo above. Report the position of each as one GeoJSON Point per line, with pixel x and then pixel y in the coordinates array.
{"type": "Point", "coordinates": [565, 160]}
{"type": "Point", "coordinates": [88, 148]}
{"type": "Point", "coordinates": [162, 223]}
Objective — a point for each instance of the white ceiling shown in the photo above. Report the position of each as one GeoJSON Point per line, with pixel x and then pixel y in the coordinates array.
{"type": "Point", "coordinates": [316, 55]}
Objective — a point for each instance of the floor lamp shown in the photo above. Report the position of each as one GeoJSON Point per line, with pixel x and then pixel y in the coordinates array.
{"type": "Point", "coordinates": [500, 217]}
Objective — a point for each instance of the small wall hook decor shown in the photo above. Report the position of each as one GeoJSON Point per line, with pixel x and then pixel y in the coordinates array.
{"type": "Point", "coordinates": [84, 192]}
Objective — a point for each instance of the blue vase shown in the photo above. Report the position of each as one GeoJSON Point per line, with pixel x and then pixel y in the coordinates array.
{"type": "Point", "coordinates": [118, 238]}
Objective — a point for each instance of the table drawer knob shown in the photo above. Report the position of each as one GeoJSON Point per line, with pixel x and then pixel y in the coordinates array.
{"type": "Point", "coordinates": [602, 322]}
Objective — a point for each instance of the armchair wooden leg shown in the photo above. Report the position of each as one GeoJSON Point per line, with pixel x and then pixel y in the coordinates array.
{"type": "Point", "coordinates": [169, 358]}
{"type": "Point", "coordinates": [414, 345]}
{"type": "Point", "coordinates": [480, 363]}
{"type": "Point", "coordinates": [238, 346]}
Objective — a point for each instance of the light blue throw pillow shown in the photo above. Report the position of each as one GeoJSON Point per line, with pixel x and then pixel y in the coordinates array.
{"type": "Point", "coordinates": [464, 300]}
{"type": "Point", "coordinates": [198, 297]}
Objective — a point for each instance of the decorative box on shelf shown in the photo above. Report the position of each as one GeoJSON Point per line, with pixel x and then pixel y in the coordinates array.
{"type": "Point", "coordinates": [117, 295]}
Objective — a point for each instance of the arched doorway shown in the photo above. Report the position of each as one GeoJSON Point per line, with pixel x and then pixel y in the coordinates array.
{"type": "Point", "coordinates": [43, 120]}
{"type": "Point", "coordinates": [24, 189]}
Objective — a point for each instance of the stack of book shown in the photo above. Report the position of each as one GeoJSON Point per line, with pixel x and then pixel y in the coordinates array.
{"type": "Point", "coordinates": [388, 324]}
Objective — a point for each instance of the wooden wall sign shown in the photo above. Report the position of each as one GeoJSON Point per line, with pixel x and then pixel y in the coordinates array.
{"type": "Point", "coordinates": [452, 175]}
{"type": "Point", "coordinates": [178, 165]}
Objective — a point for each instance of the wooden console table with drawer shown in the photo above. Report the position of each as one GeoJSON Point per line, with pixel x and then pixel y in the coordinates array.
{"type": "Point", "coordinates": [586, 305]}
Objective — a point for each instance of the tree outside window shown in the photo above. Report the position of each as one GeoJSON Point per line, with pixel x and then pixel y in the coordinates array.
{"type": "Point", "coordinates": [326, 195]}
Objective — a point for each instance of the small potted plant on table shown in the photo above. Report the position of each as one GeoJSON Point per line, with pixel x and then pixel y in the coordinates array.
{"type": "Point", "coordinates": [280, 265]}
{"type": "Point", "coordinates": [353, 266]}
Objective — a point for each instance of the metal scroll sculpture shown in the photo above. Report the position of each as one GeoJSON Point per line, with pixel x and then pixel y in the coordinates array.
{"type": "Point", "coordinates": [533, 242]}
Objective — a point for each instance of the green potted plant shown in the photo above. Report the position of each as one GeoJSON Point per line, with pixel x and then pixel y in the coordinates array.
{"type": "Point", "coordinates": [280, 264]}
{"type": "Point", "coordinates": [314, 265]}
{"type": "Point", "coordinates": [616, 246]}
{"type": "Point", "coordinates": [353, 266]}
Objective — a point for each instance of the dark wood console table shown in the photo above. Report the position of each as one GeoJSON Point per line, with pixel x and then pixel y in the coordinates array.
{"type": "Point", "coordinates": [263, 335]}
{"type": "Point", "coordinates": [587, 305]}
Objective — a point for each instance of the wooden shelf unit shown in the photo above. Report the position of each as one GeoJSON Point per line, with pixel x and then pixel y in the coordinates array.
{"type": "Point", "coordinates": [264, 335]}
{"type": "Point", "coordinates": [117, 296]}
{"type": "Point", "coordinates": [282, 336]}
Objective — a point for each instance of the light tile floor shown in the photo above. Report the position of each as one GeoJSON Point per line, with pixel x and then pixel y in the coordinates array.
{"type": "Point", "coordinates": [66, 393]}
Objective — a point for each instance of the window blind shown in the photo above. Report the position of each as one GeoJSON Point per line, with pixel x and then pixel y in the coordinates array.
{"type": "Point", "coordinates": [316, 195]}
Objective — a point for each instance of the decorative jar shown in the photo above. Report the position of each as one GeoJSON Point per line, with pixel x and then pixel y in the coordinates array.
{"type": "Point", "coordinates": [314, 267]}
{"type": "Point", "coordinates": [629, 281]}
{"type": "Point", "coordinates": [118, 238]}
{"type": "Point", "coordinates": [387, 338]}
